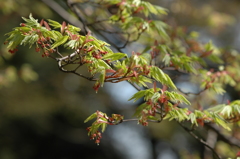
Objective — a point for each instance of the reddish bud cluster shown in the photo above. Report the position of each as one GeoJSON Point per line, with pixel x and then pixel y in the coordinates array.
{"type": "Point", "coordinates": [13, 50]}
{"type": "Point", "coordinates": [139, 9]}
{"type": "Point", "coordinates": [46, 53]}
{"type": "Point", "coordinates": [200, 121]}
{"type": "Point", "coordinates": [37, 49]}
{"type": "Point", "coordinates": [86, 61]}
{"type": "Point", "coordinates": [213, 77]}
{"type": "Point", "coordinates": [22, 24]}
{"type": "Point", "coordinates": [96, 86]}
{"type": "Point", "coordinates": [143, 122]}
{"type": "Point", "coordinates": [153, 107]}
{"type": "Point", "coordinates": [238, 154]}
{"type": "Point", "coordinates": [146, 69]}
{"type": "Point", "coordinates": [45, 45]}
{"type": "Point", "coordinates": [115, 119]}
{"type": "Point", "coordinates": [163, 99]}
{"type": "Point", "coordinates": [96, 55]}
{"type": "Point", "coordinates": [96, 136]}
{"type": "Point", "coordinates": [103, 52]}
{"type": "Point", "coordinates": [203, 119]}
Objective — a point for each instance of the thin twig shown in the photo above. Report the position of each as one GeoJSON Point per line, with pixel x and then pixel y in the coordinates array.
{"type": "Point", "coordinates": [153, 121]}
{"type": "Point", "coordinates": [125, 120]}
{"type": "Point", "coordinates": [191, 93]}
{"type": "Point", "coordinates": [135, 86]}
{"type": "Point", "coordinates": [60, 66]}
{"type": "Point", "coordinates": [67, 57]}
{"type": "Point", "coordinates": [74, 8]}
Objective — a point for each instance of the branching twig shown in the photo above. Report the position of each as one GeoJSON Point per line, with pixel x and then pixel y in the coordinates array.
{"type": "Point", "coordinates": [74, 8]}
{"type": "Point", "coordinates": [230, 140]}
{"type": "Point", "coordinates": [199, 139]}
{"type": "Point", "coordinates": [60, 66]}
{"type": "Point", "coordinates": [191, 93]}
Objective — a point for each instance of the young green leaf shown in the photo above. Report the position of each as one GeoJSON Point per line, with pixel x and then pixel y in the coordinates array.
{"type": "Point", "coordinates": [138, 95]}
{"type": "Point", "coordinates": [30, 39]}
{"type": "Point", "coordinates": [31, 21]}
{"type": "Point", "coordinates": [54, 24]}
{"type": "Point", "coordinates": [114, 56]}
{"type": "Point", "coordinates": [94, 115]}
{"type": "Point", "coordinates": [60, 41]}
{"type": "Point", "coordinates": [102, 78]}
{"type": "Point", "coordinates": [160, 76]}
{"type": "Point", "coordinates": [104, 126]}
{"type": "Point", "coordinates": [173, 96]}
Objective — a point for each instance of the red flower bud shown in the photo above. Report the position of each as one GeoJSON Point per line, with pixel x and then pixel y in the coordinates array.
{"type": "Point", "coordinates": [22, 25]}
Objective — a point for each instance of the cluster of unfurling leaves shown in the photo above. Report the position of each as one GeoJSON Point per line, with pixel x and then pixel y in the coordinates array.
{"type": "Point", "coordinates": [128, 19]}
{"type": "Point", "coordinates": [101, 122]}
{"type": "Point", "coordinates": [175, 51]}
{"type": "Point", "coordinates": [215, 80]}
{"type": "Point", "coordinates": [230, 112]}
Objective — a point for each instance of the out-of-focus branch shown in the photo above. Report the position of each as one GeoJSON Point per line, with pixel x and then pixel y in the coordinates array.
{"type": "Point", "coordinates": [191, 93]}
{"type": "Point", "coordinates": [199, 139]}
{"type": "Point", "coordinates": [74, 8]}
{"type": "Point", "coordinates": [228, 139]}
{"type": "Point", "coordinates": [211, 140]}
{"type": "Point", "coordinates": [63, 13]}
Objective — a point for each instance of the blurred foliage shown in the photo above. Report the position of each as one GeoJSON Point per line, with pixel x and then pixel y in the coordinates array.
{"type": "Point", "coordinates": [24, 7]}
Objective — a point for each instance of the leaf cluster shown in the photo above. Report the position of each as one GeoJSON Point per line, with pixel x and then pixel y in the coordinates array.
{"type": "Point", "coordinates": [174, 50]}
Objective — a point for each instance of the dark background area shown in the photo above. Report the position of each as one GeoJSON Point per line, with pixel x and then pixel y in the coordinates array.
{"type": "Point", "coordinates": [42, 109]}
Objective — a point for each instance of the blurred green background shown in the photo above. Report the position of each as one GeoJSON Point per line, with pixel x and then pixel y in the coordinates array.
{"type": "Point", "coordinates": [42, 109]}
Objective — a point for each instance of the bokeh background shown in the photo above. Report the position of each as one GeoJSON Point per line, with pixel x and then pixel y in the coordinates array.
{"type": "Point", "coordinates": [42, 109]}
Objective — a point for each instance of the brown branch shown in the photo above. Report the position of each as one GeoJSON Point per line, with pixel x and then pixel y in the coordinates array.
{"type": "Point", "coordinates": [135, 86]}
{"type": "Point", "coordinates": [199, 139]}
{"type": "Point", "coordinates": [60, 66]}
{"type": "Point", "coordinates": [153, 121]}
{"type": "Point", "coordinates": [72, 5]}
{"type": "Point", "coordinates": [125, 120]}
{"type": "Point", "coordinates": [191, 93]}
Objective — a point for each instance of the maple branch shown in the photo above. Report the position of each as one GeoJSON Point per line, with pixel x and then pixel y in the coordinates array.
{"type": "Point", "coordinates": [60, 66]}
{"type": "Point", "coordinates": [80, 22]}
